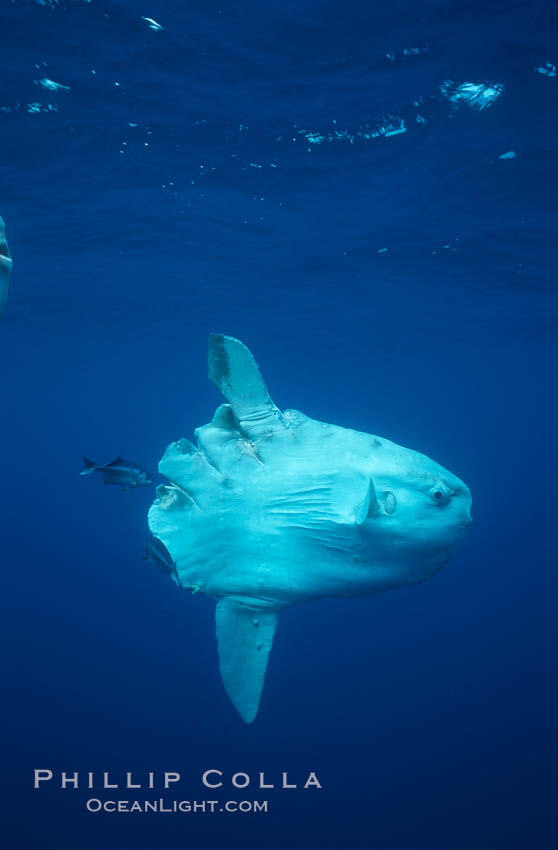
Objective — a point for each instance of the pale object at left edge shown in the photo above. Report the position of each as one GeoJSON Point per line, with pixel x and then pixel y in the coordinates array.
{"type": "Point", "coordinates": [5, 267]}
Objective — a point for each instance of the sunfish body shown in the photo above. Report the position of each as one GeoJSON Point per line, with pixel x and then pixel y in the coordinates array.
{"type": "Point", "coordinates": [121, 472]}
{"type": "Point", "coordinates": [274, 508]}
{"type": "Point", "coordinates": [5, 267]}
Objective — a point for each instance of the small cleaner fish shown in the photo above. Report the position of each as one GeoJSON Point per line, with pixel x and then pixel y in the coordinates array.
{"type": "Point", "coordinates": [122, 472]}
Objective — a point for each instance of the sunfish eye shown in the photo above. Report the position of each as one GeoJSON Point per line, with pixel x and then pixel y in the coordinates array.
{"type": "Point", "coordinates": [439, 494]}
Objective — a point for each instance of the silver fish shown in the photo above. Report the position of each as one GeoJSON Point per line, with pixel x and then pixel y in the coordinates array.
{"type": "Point", "coordinates": [122, 472]}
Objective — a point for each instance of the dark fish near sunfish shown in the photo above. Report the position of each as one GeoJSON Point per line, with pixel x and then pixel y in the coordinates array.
{"type": "Point", "coordinates": [158, 554]}
{"type": "Point", "coordinates": [122, 472]}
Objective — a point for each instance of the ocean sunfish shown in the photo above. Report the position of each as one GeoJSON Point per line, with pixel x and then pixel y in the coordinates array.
{"type": "Point", "coordinates": [272, 508]}
{"type": "Point", "coordinates": [121, 472]}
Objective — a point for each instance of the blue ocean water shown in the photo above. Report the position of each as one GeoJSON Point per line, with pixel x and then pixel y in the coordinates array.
{"type": "Point", "coordinates": [364, 194]}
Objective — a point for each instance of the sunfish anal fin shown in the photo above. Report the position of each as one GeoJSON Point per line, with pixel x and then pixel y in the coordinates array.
{"type": "Point", "coordinates": [343, 498]}
{"type": "Point", "coordinates": [244, 640]}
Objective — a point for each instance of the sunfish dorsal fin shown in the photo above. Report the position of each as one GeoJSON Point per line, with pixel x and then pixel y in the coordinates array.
{"type": "Point", "coordinates": [244, 640]}
{"type": "Point", "coordinates": [235, 373]}
{"type": "Point", "coordinates": [345, 498]}
{"type": "Point", "coordinates": [5, 267]}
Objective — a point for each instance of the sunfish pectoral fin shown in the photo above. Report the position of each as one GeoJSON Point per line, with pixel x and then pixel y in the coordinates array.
{"type": "Point", "coordinates": [350, 498]}
{"type": "Point", "coordinates": [244, 640]}
{"type": "Point", "coordinates": [5, 267]}
{"type": "Point", "coordinates": [116, 462]}
{"type": "Point", "coordinates": [369, 504]}
{"type": "Point", "coordinates": [235, 373]}
{"type": "Point", "coordinates": [345, 498]}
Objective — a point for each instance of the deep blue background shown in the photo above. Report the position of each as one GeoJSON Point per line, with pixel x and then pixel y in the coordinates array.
{"type": "Point", "coordinates": [429, 713]}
